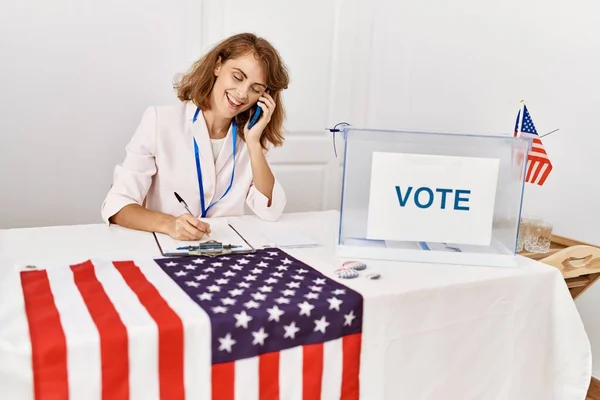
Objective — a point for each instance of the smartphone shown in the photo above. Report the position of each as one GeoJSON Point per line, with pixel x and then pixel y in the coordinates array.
{"type": "Point", "coordinates": [254, 117]}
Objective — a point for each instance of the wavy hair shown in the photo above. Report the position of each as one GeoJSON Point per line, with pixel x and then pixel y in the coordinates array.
{"type": "Point", "coordinates": [196, 85]}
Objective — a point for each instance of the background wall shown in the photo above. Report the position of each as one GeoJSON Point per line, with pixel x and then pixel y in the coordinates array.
{"type": "Point", "coordinates": [75, 77]}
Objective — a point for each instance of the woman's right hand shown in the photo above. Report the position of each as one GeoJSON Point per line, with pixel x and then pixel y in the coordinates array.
{"type": "Point", "coordinates": [188, 227]}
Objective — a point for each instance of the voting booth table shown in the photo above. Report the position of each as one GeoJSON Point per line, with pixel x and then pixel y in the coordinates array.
{"type": "Point", "coordinates": [96, 312]}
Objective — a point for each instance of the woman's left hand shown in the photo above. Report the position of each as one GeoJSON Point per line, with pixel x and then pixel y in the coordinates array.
{"type": "Point", "coordinates": [267, 105]}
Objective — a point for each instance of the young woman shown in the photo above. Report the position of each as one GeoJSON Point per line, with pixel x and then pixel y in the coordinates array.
{"type": "Point", "coordinates": [203, 148]}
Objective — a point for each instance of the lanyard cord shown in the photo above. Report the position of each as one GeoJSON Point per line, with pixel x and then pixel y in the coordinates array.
{"type": "Point", "coordinates": [199, 169]}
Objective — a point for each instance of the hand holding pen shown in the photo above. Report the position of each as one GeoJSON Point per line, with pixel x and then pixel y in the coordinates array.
{"type": "Point", "coordinates": [187, 226]}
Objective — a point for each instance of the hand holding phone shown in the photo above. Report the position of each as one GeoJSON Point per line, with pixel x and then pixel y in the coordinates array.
{"type": "Point", "coordinates": [259, 118]}
{"type": "Point", "coordinates": [254, 117]}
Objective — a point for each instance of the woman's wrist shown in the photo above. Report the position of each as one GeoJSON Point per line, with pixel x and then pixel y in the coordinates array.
{"type": "Point", "coordinates": [165, 223]}
{"type": "Point", "coordinates": [253, 145]}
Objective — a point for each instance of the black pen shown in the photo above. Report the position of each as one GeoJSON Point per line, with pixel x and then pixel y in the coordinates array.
{"type": "Point", "coordinates": [183, 203]}
{"type": "Point", "coordinates": [179, 199]}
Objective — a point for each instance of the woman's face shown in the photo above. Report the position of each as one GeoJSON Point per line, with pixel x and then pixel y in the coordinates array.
{"type": "Point", "coordinates": [239, 84]}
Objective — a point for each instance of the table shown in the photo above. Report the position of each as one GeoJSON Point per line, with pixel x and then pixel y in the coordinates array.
{"type": "Point", "coordinates": [429, 331]}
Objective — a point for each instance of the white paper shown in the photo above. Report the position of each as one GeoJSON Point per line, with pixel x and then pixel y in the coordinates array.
{"type": "Point", "coordinates": [273, 234]}
{"type": "Point", "coordinates": [220, 231]}
{"type": "Point", "coordinates": [287, 238]}
{"type": "Point", "coordinates": [395, 213]}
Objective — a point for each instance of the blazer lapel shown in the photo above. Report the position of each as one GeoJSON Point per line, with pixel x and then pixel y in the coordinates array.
{"type": "Point", "coordinates": [207, 163]}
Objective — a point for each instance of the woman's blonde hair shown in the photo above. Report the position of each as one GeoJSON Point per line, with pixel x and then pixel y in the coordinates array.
{"type": "Point", "coordinates": [197, 84]}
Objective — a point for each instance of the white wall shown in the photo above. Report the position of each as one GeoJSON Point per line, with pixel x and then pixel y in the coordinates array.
{"type": "Point", "coordinates": [75, 77]}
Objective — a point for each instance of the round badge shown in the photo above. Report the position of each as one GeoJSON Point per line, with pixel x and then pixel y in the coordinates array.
{"type": "Point", "coordinates": [345, 273]}
{"type": "Point", "coordinates": [355, 265]}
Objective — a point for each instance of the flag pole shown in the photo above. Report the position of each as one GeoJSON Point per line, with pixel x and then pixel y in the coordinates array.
{"type": "Point", "coordinates": [521, 114]}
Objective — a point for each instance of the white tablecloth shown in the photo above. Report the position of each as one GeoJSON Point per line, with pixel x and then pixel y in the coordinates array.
{"type": "Point", "coordinates": [429, 331]}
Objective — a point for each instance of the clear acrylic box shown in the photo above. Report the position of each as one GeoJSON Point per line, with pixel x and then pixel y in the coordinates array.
{"type": "Point", "coordinates": [359, 146]}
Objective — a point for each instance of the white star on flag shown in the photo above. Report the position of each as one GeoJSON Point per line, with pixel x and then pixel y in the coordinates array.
{"type": "Point", "coordinates": [205, 296]}
{"type": "Point", "coordinates": [251, 304]}
{"type": "Point", "coordinates": [259, 296]}
{"type": "Point", "coordinates": [334, 303]}
{"type": "Point", "coordinates": [274, 313]}
{"type": "Point", "coordinates": [291, 330]}
{"type": "Point", "coordinates": [305, 308]}
{"type": "Point", "coordinates": [228, 302]}
{"type": "Point", "coordinates": [226, 343]}
{"type": "Point", "coordinates": [349, 317]}
{"type": "Point", "coordinates": [242, 319]}
{"type": "Point", "coordinates": [259, 337]}
{"type": "Point", "coordinates": [321, 325]}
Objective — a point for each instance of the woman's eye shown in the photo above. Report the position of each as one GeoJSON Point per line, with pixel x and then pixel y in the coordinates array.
{"type": "Point", "coordinates": [237, 77]}
{"type": "Point", "coordinates": [256, 90]}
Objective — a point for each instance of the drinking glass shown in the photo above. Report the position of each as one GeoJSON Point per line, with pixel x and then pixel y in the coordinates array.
{"type": "Point", "coordinates": [539, 237]}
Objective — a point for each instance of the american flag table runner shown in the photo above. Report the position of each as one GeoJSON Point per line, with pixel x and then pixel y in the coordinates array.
{"type": "Point", "coordinates": [254, 326]}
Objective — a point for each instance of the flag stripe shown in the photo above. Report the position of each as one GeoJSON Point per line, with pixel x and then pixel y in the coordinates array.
{"type": "Point", "coordinates": [531, 170]}
{"type": "Point", "coordinates": [545, 174]}
{"type": "Point", "coordinates": [170, 331]}
{"type": "Point", "coordinates": [81, 334]}
{"type": "Point", "coordinates": [312, 371]}
{"type": "Point", "coordinates": [114, 347]}
{"type": "Point", "coordinates": [290, 373]}
{"type": "Point", "coordinates": [48, 343]}
{"type": "Point", "coordinates": [332, 369]}
{"type": "Point", "coordinates": [350, 375]}
{"type": "Point", "coordinates": [268, 375]}
{"type": "Point", "coordinates": [223, 381]}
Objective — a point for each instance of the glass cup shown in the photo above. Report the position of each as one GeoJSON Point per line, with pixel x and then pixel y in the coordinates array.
{"type": "Point", "coordinates": [539, 237]}
{"type": "Point", "coordinates": [524, 227]}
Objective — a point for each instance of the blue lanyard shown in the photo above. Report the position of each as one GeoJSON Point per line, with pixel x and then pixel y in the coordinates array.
{"type": "Point", "coordinates": [199, 170]}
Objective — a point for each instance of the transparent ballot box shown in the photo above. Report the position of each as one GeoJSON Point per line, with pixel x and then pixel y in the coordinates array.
{"type": "Point", "coordinates": [431, 197]}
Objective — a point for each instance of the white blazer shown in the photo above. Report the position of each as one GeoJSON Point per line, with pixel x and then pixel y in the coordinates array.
{"type": "Point", "coordinates": [160, 160]}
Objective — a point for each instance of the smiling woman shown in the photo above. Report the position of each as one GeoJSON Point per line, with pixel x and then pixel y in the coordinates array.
{"type": "Point", "coordinates": [209, 148]}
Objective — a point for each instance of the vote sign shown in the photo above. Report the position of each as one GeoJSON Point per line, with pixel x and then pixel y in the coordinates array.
{"type": "Point", "coordinates": [432, 198]}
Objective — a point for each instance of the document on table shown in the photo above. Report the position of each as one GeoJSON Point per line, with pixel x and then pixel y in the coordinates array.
{"type": "Point", "coordinates": [274, 234]}
{"type": "Point", "coordinates": [221, 231]}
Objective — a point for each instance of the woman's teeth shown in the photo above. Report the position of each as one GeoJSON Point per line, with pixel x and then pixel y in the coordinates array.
{"type": "Point", "coordinates": [233, 101]}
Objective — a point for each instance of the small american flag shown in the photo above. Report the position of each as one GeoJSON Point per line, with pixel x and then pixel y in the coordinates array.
{"type": "Point", "coordinates": [247, 326]}
{"type": "Point", "coordinates": [538, 163]}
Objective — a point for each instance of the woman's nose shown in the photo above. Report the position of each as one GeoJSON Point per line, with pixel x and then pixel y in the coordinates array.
{"type": "Point", "coordinates": [241, 93]}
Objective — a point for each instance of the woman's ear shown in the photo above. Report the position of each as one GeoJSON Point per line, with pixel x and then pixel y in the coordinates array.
{"type": "Point", "coordinates": [218, 66]}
